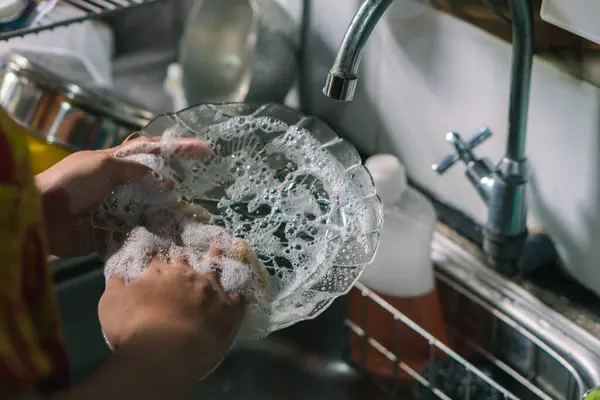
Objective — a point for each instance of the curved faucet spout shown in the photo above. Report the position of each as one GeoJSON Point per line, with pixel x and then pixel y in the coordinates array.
{"type": "Point", "coordinates": [501, 186]}
{"type": "Point", "coordinates": [522, 59]}
{"type": "Point", "coordinates": [341, 80]}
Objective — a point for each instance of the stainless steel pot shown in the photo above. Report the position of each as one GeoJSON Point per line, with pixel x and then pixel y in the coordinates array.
{"type": "Point", "coordinates": [238, 50]}
{"type": "Point", "coordinates": [69, 112]}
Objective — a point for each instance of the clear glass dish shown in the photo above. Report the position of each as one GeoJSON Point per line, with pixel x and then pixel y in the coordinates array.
{"type": "Point", "coordinates": [287, 184]}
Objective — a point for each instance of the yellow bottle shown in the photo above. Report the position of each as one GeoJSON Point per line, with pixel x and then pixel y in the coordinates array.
{"type": "Point", "coordinates": [43, 155]}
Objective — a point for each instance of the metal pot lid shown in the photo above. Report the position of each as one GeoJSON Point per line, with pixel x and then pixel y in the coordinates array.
{"type": "Point", "coordinates": [68, 74]}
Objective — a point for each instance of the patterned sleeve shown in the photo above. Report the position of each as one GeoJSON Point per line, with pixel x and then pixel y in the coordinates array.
{"type": "Point", "coordinates": [32, 353]}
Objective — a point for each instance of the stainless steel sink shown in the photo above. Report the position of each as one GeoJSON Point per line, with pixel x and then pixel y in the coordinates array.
{"type": "Point", "coordinates": [499, 335]}
{"type": "Point", "coordinates": [276, 369]}
{"type": "Point", "coordinates": [536, 351]}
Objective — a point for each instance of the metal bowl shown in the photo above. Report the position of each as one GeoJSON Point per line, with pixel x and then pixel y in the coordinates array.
{"type": "Point", "coordinates": [68, 112]}
{"type": "Point", "coordinates": [238, 50]}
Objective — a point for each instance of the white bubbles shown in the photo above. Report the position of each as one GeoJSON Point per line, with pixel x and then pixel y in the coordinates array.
{"type": "Point", "coordinates": [270, 184]}
{"type": "Point", "coordinates": [206, 248]}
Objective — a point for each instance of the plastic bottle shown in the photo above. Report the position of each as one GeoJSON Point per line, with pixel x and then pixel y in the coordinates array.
{"type": "Point", "coordinates": [401, 273]}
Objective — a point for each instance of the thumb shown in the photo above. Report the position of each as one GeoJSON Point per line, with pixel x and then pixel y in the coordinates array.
{"type": "Point", "coordinates": [112, 295]}
{"type": "Point", "coordinates": [115, 283]}
{"type": "Point", "coordinates": [121, 171]}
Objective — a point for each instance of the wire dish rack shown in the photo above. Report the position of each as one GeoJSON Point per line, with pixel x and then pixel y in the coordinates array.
{"type": "Point", "coordinates": [426, 386]}
{"type": "Point", "coordinates": [492, 356]}
{"type": "Point", "coordinates": [91, 9]}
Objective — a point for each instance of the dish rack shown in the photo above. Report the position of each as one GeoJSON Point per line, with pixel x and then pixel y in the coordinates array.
{"type": "Point", "coordinates": [498, 347]}
{"type": "Point", "coordinates": [471, 375]}
{"type": "Point", "coordinates": [92, 9]}
{"type": "Point", "coordinates": [437, 348]}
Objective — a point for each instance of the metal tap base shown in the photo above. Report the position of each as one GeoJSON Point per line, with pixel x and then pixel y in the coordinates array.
{"type": "Point", "coordinates": [504, 251]}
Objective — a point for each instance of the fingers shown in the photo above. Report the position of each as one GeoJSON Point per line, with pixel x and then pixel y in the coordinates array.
{"type": "Point", "coordinates": [215, 282]}
{"type": "Point", "coordinates": [209, 281]}
{"type": "Point", "coordinates": [113, 290]}
{"type": "Point", "coordinates": [238, 302]}
{"type": "Point", "coordinates": [155, 263]}
{"type": "Point", "coordinates": [237, 298]}
{"type": "Point", "coordinates": [116, 282]}
{"type": "Point", "coordinates": [138, 147]}
{"type": "Point", "coordinates": [129, 140]}
{"type": "Point", "coordinates": [193, 147]}
{"type": "Point", "coordinates": [121, 171]}
{"type": "Point", "coordinates": [215, 250]}
{"type": "Point", "coordinates": [186, 146]}
{"type": "Point", "coordinates": [215, 278]}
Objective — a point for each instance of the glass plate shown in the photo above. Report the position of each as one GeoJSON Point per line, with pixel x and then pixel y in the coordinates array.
{"type": "Point", "coordinates": [287, 184]}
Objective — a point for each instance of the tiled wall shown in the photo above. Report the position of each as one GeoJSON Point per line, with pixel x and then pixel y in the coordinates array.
{"type": "Point", "coordinates": [425, 73]}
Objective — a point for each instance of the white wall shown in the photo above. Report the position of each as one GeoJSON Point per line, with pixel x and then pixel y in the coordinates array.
{"type": "Point", "coordinates": [425, 73]}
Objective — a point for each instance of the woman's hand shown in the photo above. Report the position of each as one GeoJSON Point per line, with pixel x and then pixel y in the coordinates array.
{"type": "Point", "coordinates": [184, 317]}
{"type": "Point", "coordinates": [170, 327]}
{"type": "Point", "coordinates": [77, 185]}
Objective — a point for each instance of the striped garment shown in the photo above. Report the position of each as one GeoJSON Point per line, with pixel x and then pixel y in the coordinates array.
{"type": "Point", "coordinates": [32, 353]}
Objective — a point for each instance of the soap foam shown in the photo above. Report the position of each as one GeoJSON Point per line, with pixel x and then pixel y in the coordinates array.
{"type": "Point", "coordinates": [195, 242]}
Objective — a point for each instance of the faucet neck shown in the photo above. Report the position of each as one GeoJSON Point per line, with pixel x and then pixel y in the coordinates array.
{"type": "Point", "coordinates": [522, 59]}
{"type": "Point", "coordinates": [341, 81]}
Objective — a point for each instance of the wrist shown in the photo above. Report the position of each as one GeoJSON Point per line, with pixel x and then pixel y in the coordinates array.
{"type": "Point", "coordinates": [145, 366]}
{"type": "Point", "coordinates": [48, 198]}
{"type": "Point", "coordinates": [171, 353]}
{"type": "Point", "coordinates": [47, 214]}
{"type": "Point", "coordinates": [52, 212]}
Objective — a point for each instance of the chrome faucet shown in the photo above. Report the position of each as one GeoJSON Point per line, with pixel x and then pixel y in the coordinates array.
{"type": "Point", "coordinates": [341, 80]}
{"type": "Point", "coordinates": [501, 187]}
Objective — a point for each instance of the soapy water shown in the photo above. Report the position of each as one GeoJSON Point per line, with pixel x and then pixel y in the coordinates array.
{"type": "Point", "coordinates": [268, 183]}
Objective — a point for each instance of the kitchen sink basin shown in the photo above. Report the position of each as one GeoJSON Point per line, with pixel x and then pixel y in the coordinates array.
{"type": "Point", "coordinates": [498, 334]}
{"type": "Point", "coordinates": [534, 351]}
{"type": "Point", "coordinates": [277, 369]}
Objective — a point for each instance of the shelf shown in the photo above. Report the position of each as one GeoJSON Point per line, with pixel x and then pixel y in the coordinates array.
{"type": "Point", "coordinates": [89, 9]}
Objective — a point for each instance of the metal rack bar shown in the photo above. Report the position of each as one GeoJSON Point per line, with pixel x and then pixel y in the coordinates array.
{"type": "Point", "coordinates": [530, 382]}
{"type": "Point", "coordinates": [435, 345]}
{"type": "Point", "coordinates": [506, 368]}
{"type": "Point", "coordinates": [92, 9]}
{"type": "Point", "coordinates": [512, 378]}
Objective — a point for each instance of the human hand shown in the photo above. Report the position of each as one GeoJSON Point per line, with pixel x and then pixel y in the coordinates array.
{"type": "Point", "coordinates": [186, 318]}
{"type": "Point", "coordinates": [77, 185]}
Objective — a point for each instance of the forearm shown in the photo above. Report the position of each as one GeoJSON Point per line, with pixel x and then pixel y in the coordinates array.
{"type": "Point", "coordinates": [138, 370]}
{"type": "Point", "coordinates": [50, 211]}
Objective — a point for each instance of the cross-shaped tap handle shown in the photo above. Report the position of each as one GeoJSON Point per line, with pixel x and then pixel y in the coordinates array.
{"type": "Point", "coordinates": [462, 150]}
